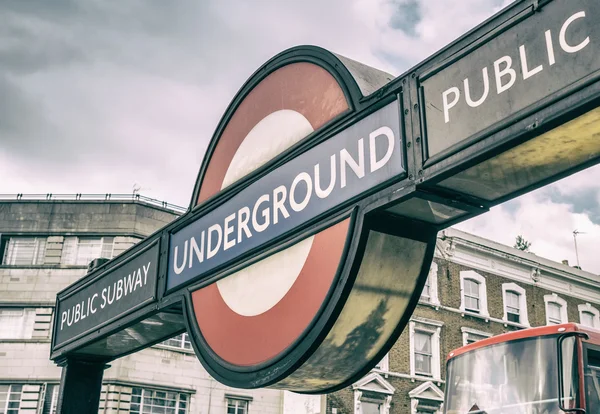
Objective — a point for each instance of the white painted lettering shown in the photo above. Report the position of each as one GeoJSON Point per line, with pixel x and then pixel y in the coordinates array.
{"type": "Point", "coordinates": [550, 48]}
{"type": "Point", "coordinates": [243, 218]}
{"type": "Point", "coordinates": [120, 288]}
{"type": "Point", "coordinates": [228, 229]}
{"type": "Point", "coordinates": [508, 70]}
{"type": "Point", "coordinates": [486, 90]}
{"type": "Point", "coordinates": [279, 196]}
{"type": "Point", "coordinates": [92, 308]}
{"type": "Point", "coordinates": [63, 319]}
{"type": "Point", "coordinates": [198, 251]}
{"type": "Point", "coordinates": [562, 36]}
{"type": "Point", "coordinates": [524, 67]}
{"type": "Point", "coordinates": [178, 269]}
{"type": "Point", "coordinates": [318, 190]}
{"type": "Point", "coordinates": [299, 206]}
{"type": "Point", "coordinates": [347, 160]}
{"type": "Point", "coordinates": [449, 105]}
{"type": "Point", "coordinates": [376, 164]}
{"type": "Point", "coordinates": [212, 250]}
{"type": "Point", "coordinates": [265, 213]}
{"type": "Point", "coordinates": [138, 280]}
{"type": "Point", "coordinates": [146, 269]}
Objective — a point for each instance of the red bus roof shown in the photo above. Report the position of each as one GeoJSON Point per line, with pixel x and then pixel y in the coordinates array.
{"type": "Point", "coordinates": [528, 333]}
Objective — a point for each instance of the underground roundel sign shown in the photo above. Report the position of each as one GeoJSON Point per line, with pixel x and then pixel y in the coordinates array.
{"type": "Point", "coordinates": [297, 274]}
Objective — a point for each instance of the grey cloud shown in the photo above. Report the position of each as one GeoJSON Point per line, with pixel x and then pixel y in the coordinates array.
{"type": "Point", "coordinates": [407, 16]}
{"type": "Point", "coordinates": [582, 202]}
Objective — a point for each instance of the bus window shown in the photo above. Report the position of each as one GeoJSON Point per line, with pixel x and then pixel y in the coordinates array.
{"type": "Point", "coordinates": [592, 380]}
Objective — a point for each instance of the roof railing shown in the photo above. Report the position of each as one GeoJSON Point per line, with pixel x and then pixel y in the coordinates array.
{"type": "Point", "coordinates": [93, 197]}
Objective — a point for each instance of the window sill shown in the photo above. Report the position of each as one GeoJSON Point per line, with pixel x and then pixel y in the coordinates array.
{"type": "Point", "coordinates": [26, 341]}
{"type": "Point", "coordinates": [413, 378]}
{"type": "Point", "coordinates": [433, 305]}
{"type": "Point", "coordinates": [465, 312]}
{"type": "Point", "coordinates": [515, 324]}
{"type": "Point", "coordinates": [174, 349]}
{"type": "Point", "coordinates": [52, 266]}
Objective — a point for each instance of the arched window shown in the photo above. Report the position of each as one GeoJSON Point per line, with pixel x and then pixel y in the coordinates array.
{"type": "Point", "coordinates": [589, 316]}
{"type": "Point", "coordinates": [556, 309]}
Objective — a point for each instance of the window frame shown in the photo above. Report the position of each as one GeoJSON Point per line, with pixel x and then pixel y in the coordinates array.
{"type": "Point", "coordinates": [238, 399]}
{"type": "Point", "coordinates": [384, 363]}
{"type": "Point", "coordinates": [557, 300]}
{"type": "Point", "coordinates": [381, 393]}
{"type": "Point", "coordinates": [433, 328]}
{"type": "Point", "coordinates": [466, 332]}
{"type": "Point", "coordinates": [432, 282]}
{"type": "Point", "coordinates": [75, 260]}
{"type": "Point", "coordinates": [38, 253]}
{"type": "Point", "coordinates": [9, 393]}
{"type": "Point", "coordinates": [185, 339]}
{"type": "Point", "coordinates": [53, 404]}
{"type": "Point", "coordinates": [483, 302]}
{"type": "Point", "coordinates": [426, 354]}
{"type": "Point", "coordinates": [427, 391]}
{"type": "Point", "coordinates": [26, 324]}
{"type": "Point", "coordinates": [583, 308]}
{"type": "Point", "coordinates": [522, 296]}
{"type": "Point", "coordinates": [153, 392]}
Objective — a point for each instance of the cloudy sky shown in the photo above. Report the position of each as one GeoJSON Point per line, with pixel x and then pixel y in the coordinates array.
{"type": "Point", "coordinates": [98, 96]}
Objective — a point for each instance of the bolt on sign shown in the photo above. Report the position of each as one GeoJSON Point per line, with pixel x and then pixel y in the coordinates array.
{"type": "Point", "coordinates": [313, 219]}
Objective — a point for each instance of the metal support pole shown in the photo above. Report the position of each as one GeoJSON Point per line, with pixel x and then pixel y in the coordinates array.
{"type": "Point", "coordinates": [80, 387]}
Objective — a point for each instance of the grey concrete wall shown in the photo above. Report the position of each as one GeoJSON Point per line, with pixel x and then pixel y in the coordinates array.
{"type": "Point", "coordinates": [77, 217]}
{"type": "Point", "coordinates": [162, 367]}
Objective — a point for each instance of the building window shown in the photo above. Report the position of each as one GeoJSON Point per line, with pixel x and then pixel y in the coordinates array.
{"type": "Point", "coordinates": [181, 341]}
{"type": "Point", "coordinates": [515, 304]}
{"type": "Point", "coordinates": [10, 399]}
{"type": "Point", "coordinates": [384, 364]}
{"type": "Point", "coordinates": [426, 292]}
{"type": "Point", "coordinates": [589, 316]}
{"type": "Point", "coordinates": [472, 335]}
{"type": "Point", "coordinates": [425, 348]}
{"type": "Point", "coordinates": [25, 251]}
{"type": "Point", "coordinates": [426, 399]}
{"type": "Point", "coordinates": [423, 352]}
{"type": "Point", "coordinates": [370, 407]}
{"type": "Point", "coordinates": [473, 293]}
{"type": "Point", "coordinates": [50, 399]}
{"type": "Point", "coordinates": [556, 309]}
{"type": "Point", "coordinates": [372, 395]}
{"type": "Point", "coordinates": [512, 307]}
{"type": "Point", "coordinates": [554, 313]}
{"type": "Point", "coordinates": [237, 406]}
{"type": "Point", "coordinates": [429, 293]}
{"type": "Point", "coordinates": [16, 323]}
{"type": "Point", "coordinates": [155, 401]}
{"type": "Point", "coordinates": [80, 251]}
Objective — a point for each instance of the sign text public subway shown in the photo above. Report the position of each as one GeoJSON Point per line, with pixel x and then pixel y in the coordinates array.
{"type": "Point", "coordinates": [346, 165]}
{"type": "Point", "coordinates": [116, 292]}
{"type": "Point", "coordinates": [547, 52]}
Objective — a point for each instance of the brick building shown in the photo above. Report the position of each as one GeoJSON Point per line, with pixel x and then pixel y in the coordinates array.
{"type": "Point", "coordinates": [476, 288]}
{"type": "Point", "coordinates": [46, 245]}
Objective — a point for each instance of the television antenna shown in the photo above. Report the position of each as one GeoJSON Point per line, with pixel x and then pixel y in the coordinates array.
{"type": "Point", "coordinates": [575, 233]}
